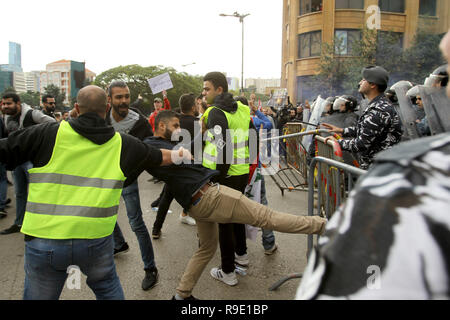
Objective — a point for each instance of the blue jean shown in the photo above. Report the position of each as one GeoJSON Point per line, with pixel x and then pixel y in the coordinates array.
{"type": "Point", "coordinates": [132, 201]}
{"type": "Point", "coordinates": [268, 238]}
{"type": "Point", "coordinates": [21, 180]}
{"type": "Point", "coordinates": [3, 186]}
{"type": "Point", "coordinates": [47, 265]}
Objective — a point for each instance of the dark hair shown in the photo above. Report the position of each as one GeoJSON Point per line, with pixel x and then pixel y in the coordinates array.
{"type": "Point", "coordinates": [381, 87]}
{"type": "Point", "coordinates": [242, 99]}
{"type": "Point", "coordinates": [46, 96]}
{"type": "Point", "coordinates": [164, 116]}
{"type": "Point", "coordinates": [11, 95]}
{"type": "Point", "coordinates": [186, 102]}
{"type": "Point", "coordinates": [116, 84]}
{"type": "Point", "coordinates": [218, 79]}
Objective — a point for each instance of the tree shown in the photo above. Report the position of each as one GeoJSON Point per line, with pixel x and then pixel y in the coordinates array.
{"type": "Point", "coordinates": [31, 98]}
{"type": "Point", "coordinates": [9, 90]}
{"type": "Point", "coordinates": [136, 78]}
{"type": "Point", "coordinates": [56, 92]}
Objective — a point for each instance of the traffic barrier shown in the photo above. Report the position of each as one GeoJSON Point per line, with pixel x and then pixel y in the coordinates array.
{"type": "Point", "coordinates": [330, 167]}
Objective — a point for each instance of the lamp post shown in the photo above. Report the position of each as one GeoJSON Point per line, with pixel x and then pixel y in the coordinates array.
{"type": "Point", "coordinates": [241, 20]}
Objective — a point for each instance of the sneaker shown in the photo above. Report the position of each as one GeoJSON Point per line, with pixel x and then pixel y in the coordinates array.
{"type": "Point", "coordinates": [156, 234]}
{"type": "Point", "coordinates": [271, 250]}
{"type": "Point", "coordinates": [228, 278]}
{"type": "Point", "coordinates": [13, 229]}
{"type": "Point", "coordinates": [241, 260]}
{"type": "Point", "coordinates": [151, 279]}
{"type": "Point", "coordinates": [191, 297]}
{"type": "Point", "coordinates": [7, 202]}
{"type": "Point", "coordinates": [155, 209]}
{"type": "Point", "coordinates": [124, 248]}
{"type": "Point", "coordinates": [187, 220]}
{"type": "Point", "coordinates": [2, 214]}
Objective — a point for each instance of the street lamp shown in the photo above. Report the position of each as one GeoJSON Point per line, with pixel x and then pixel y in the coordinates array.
{"type": "Point", "coordinates": [189, 64]}
{"type": "Point", "coordinates": [241, 20]}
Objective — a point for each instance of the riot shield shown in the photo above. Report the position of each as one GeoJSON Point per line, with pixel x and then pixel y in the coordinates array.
{"type": "Point", "coordinates": [406, 113]}
{"type": "Point", "coordinates": [437, 108]}
{"type": "Point", "coordinates": [317, 109]}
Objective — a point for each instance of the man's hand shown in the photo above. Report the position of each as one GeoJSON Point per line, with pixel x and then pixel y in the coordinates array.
{"type": "Point", "coordinates": [332, 128]}
{"type": "Point", "coordinates": [252, 106]}
{"type": "Point", "coordinates": [164, 93]}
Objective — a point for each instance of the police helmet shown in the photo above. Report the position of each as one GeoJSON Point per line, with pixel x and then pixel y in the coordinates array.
{"type": "Point", "coordinates": [350, 103]}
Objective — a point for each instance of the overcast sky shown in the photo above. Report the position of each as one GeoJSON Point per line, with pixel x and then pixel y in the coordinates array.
{"type": "Point", "coordinates": [109, 33]}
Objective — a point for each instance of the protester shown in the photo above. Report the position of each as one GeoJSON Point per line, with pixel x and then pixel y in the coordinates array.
{"type": "Point", "coordinates": [158, 105]}
{"type": "Point", "coordinates": [131, 121]}
{"type": "Point", "coordinates": [3, 179]}
{"type": "Point", "coordinates": [379, 128]}
{"type": "Point", "coordinates": [188, 122]}
{"type": "Point", "coordinates": [227, 123]}
{"type": "Point", "coordinates": [209, 204]}
{"type": "Point", "coordinates": [85, 163]}
{"type": "Point", "coordinates": [49, 105]}
{"type": "Point", "coordinates": [20, 116]}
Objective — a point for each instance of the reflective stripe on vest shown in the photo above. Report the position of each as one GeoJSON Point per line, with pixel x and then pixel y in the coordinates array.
{"type": "Point", "coordinates": [76, 194]}
{"type": "Point", "coordinates": [238, 124]}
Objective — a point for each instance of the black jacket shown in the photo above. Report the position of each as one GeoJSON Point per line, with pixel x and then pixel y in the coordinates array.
{"type": "Point", "coordinates": [36, 144]}
{"type": "Point", "coordinates": [141, 129]}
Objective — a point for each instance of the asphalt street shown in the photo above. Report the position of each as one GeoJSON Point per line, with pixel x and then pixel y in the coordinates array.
{"type": "Point", "coordinates": [172, 252]}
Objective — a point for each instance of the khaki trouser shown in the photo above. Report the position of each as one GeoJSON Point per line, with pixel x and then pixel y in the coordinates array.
{"type": "Point", "coordinates": [221, 204]}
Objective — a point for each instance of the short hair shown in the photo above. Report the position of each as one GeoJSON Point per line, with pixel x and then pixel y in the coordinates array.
{"type": "Point", "coordinates": [92, 99]}
{"type": "Point", "coordinates": [46, 96]}
{"type": "Point", "coordinates": [165, 116]}
{"type": "Point", "coordinates": [218, 79]}
{"type": "Point", "coordinates": [116, 84]}
{"type": "Point", "coordinates": [242, 99]}
{"type": "Point", "coordinates": [11, 95]}
{"type": "Point", "coordinates": [186, 102]}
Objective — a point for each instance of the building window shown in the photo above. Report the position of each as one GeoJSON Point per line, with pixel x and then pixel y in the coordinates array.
{"type": "Point", "coordinates": [427, 8]}
{"type": "Point", "coordinates": [344, 40]}
{"type": "Point", "coordinates": [349, 4]}
{"type": "Point", "coordinates": [308, 6]}
{"type": "Point", "coordinates": [309, 44]}
{"type": "Point", "coordinates": [392, 5]}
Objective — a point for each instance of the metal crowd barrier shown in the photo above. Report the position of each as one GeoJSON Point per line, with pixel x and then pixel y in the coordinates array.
{"type": "Point", "coordinates": [334, 172]}
{"type": "Point", "coordinates": [292, 171]}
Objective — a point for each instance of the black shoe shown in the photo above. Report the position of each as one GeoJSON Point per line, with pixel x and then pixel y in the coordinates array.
{"type": "Point", "coordinates": [13, 229]}
{"type": "Point", "coordinates": [7, 202]}
{"type": "Point", "coordinates": [155, 203]}
{"type": "Point", "coordinates": [9, 182]}
{"type": "Point", "coordinates": [124, 248]}
{"type": "Point", "coordinates": [151, 279]}
{"type": "Point", "coordinates": [2, 214]}
{"type": "Point", "coordinates": [156, 234]}
{"type": "Point", "coordinates": [191, 297]}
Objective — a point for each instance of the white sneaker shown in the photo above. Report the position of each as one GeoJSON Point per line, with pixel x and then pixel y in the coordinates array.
{"type": "Point", "coordinates": [188, 220]}
{"type": "Point", "coordinates": [241, 260]}
{"type": "Point", "coordinates": [227, 278]}
{"type": "Point", "coordinates": [155, 209]}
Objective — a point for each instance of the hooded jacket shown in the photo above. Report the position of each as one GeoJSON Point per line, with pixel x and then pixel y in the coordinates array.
{"type": "Point", "coordinates": [141, 128]}
{"type": "Point", "coordinates": [216, 117]}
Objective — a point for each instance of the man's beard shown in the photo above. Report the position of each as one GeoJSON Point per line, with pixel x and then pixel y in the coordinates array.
{"type": "Point", "coordinates": [123, 113]}
{"type": "Point", "coordinates": [168, 135]}
{"type": "Point", "coordinates": [51, 109]}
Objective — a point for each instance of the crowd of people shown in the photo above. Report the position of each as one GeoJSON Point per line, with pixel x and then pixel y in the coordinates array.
{"type": "Point", "coordinates": [70, 171]}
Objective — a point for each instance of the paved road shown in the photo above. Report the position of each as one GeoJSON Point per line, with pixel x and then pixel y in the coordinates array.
{"type": "Point", "coordinates": [172, 252]}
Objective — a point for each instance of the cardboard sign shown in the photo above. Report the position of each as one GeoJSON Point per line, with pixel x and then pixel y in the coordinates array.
{"type": "Point", "coordinates": [160, 83]}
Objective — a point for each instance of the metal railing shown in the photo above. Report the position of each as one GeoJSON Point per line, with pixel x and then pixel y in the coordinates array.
{"type": "Point", "coordinates": [334, 171]}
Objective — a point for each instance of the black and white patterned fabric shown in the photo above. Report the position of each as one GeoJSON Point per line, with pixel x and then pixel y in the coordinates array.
{"type": "Point", "coordinates": [391, 239]}
{"type": "Point", "coordinates": [378, 129]}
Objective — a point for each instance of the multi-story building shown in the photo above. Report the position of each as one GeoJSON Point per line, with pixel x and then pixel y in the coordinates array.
{"type": "Point", "coordinates": [309, 23]}
{"type": "Point", "coordinates": [6, 80]}
{"type": "Point", "coordinates": [15, 56]}
{"type": "Point", "coordinates": [90, 76]}
{"type": "Point", "coordinates": [260, 85]}
{"type": "Point", "coordinates": [19, 82]}
{"type": "Point", "coordinates": [32, 80]}
{"type": "Point", "coordinates": [233, 83]}
{"type": "Point", "coordinates": [68, 75]}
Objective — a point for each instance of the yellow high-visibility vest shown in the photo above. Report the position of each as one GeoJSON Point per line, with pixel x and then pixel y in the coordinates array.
{"type": "Point", "coordinates": [76, 194]}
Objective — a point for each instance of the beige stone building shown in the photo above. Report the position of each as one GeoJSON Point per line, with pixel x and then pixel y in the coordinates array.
{"type": "Point", "coordinates": [309, 23]}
